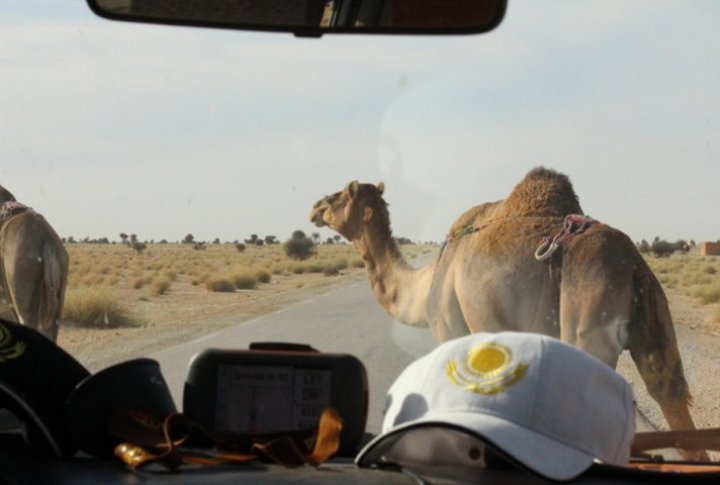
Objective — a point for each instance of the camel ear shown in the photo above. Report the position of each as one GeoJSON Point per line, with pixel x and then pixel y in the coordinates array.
{"type": "Point", "coordinates": [381, 187]}
{"type": "Point", "coordinates": [367, 216]}
{"type": "Point", "coordinates": [352, 188]}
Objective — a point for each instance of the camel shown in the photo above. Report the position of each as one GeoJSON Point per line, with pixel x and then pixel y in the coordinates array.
{"type": "Point", "coordinates": [34, 267]}
{"type": "Point", "coordinates": [590, 288]}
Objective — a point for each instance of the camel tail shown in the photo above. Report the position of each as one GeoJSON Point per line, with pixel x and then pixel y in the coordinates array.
{"type": "Point", "coordinates": [52, 291]}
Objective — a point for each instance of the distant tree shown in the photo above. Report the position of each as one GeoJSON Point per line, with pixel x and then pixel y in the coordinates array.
{"type": "Point", "coordinates": [163, 241]}
{"type": "Point", "coordinates": [692, 243]}
{"type": "Point", "coordinates": [643, 246]}
{"type": "Point", "coordinates": [133, 239]}
{"type": "Point", "coordinates": [240, 247]}
{"type": "Point", "coordinates": [253, 239]}
{"type": "Point", "coordinates": [216, 240]}
{"type": "Point", "coordinates": [329, 241]}
{"type": "Point", "coordinates": [139, 247]}
{"type": "Point", "coordinates": [299, 246]}
{"type": "Point", "coordinates": [337, 238]}
{"type": "Point", "coordinates": [662, 248]}
{"type": "Point", "coordinates": [199, 246]}
{"type": "Point", "coordinates": [403, 240]}
{"type": "Point", "coordinates": [315, 237]}
{"type": "Point", "coordinates": [189, 239]}
{"type": "Point", "coordinates": [269, 239]}
{"type": "Point", "coordinates": [71, 240]}
{"type": "Point", "coordinates": [682, 246]}
{"type": "Point", "coordinates": [123, 238]}
{"type": "Point", "coordinates": [259, 242]}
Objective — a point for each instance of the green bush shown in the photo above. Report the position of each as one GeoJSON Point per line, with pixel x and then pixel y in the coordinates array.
{"type": "Point", "coordinates": [299, 247]}
{"type": "Point", "coordinates": [662, 248]}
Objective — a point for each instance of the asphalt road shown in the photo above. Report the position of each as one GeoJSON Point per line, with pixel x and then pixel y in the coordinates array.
{"type": "Point", "coordinates": [345, 320]}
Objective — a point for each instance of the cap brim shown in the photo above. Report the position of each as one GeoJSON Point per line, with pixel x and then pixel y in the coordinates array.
{"type": "Point", "coordinates": [539, 453]}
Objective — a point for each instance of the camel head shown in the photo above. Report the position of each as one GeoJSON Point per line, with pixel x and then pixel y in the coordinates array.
{"type": "Point", "coordinates": [349, 211]}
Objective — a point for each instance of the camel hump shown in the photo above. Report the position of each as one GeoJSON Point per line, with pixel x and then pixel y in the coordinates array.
{"type": "Point", "coordinates": [543, 193]}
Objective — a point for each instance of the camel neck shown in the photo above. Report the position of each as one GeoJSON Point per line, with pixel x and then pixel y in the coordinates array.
{"type": "Point", "coordinates": [399, 288]}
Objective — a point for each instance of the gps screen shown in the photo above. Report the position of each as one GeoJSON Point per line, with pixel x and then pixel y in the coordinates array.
{"type": "Point", "coordinates": [257, 399]}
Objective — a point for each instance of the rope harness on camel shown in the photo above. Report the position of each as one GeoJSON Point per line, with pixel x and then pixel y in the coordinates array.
{"type": "Point", "coordinates": [11, 208]}
{"type": "Point", "coordinates": [572, 225]}
{"type": "Point", "coordinates": [454, 236]}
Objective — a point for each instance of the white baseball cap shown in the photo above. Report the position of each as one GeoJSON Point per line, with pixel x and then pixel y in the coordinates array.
{"type": "Point", "coordinates": [553, 408]}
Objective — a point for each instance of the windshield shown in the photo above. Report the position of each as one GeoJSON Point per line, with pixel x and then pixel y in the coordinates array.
{"type": "Point", "coordinates": [179, 167]}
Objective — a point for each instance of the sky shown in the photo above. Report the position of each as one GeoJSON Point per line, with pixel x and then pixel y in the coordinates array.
{"type": "Point", "coordinates": [110, 127]}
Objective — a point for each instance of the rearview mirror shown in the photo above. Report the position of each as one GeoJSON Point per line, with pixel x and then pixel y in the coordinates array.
{"type": "Point", "coordinates": [315, 17]}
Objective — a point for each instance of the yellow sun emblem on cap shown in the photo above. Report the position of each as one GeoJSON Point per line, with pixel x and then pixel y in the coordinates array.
{"type": "Point", "coordinates": [487, 369]}
{"type": "Point", "coordinates": [8, 349]}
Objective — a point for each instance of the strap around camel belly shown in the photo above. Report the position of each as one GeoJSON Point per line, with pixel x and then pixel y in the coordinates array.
{"type": "Point", "coordinates": [572, 225]}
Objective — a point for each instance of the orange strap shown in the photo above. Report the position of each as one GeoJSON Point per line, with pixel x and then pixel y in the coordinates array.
{"type": "Point", "coordinates": [176, 430]}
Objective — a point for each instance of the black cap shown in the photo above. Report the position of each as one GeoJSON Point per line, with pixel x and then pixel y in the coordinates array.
{"type": "Point", "coordinates": [136, 386]}
{"type": "Point", "coordinates": [36, 377]}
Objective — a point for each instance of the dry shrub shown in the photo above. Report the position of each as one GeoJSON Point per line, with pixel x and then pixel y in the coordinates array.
{"type": "Point", "coordinates": [244, 281]}
{"type": "Point", "coordinates": [279, 269]}
{"type": "Point", "coordinates": [263, 276]}
{"type": "Point", "coordinates": [315, 268]}
{"type": "Point", "coordinates": [668, 281]}
{"type": "Point", "coordinates": [142, 281]}
{"type": "Point", "coordinates": [160, 286]}
{"type": "Point", "coordinates": [696, 278]}
{"type": "Point", "coordinates": [170, 274]}
{"type": "Point", "coordinates": [331, 271]}
{"type": "Point", "coordinates": [708, 294]}
{"type": "Point", "coordinates": [714, 316]}
{"type": "Point", "coordinates": [93, 280]}
{"type": "Point", "coordinates": [220, 284]}
{"type": "Point", "coordinates": [96, 307]}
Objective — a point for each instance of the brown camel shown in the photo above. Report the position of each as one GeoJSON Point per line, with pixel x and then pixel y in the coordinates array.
{"type": "Point", "coordinates": [590, 288]}
{"type": "Point", "coordinates": [34, 267]}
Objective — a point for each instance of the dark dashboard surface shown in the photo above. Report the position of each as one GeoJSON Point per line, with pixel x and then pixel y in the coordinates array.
{"type": "Point", "coordinates": [20, 466]}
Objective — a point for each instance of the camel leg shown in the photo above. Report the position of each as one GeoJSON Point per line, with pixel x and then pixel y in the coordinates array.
{"type": "Point", "coordinates": [657, 357]}
{"type": "Point", "coordinates": [21, 291]}
{"type": "Point", "coordinates": [654, 349]}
